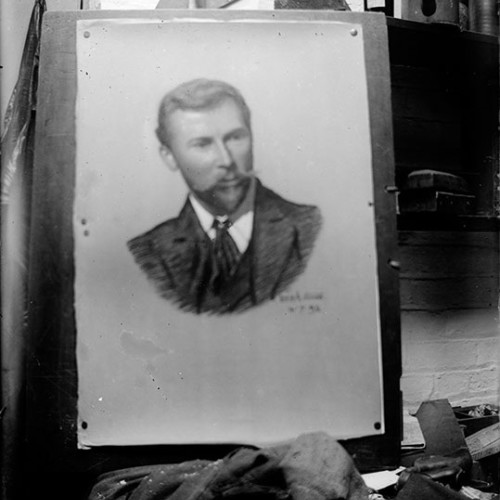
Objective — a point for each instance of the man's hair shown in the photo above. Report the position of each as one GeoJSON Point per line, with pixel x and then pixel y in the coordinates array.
{"type": "Point", "coordinates": [196, 95]}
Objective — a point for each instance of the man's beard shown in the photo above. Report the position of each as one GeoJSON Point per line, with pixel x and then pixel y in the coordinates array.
{"type": "Point", "coordinates": [224, 200]}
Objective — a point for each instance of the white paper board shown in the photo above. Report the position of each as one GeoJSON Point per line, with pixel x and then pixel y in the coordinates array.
{"type": "Point", "coordinates": [150, 373]}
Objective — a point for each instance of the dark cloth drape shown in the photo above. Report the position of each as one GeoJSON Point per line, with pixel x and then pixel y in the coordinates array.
{"type": "Point", "coordinates": [16, 157]}
{"type": "Point", "coordinates": [312, 467]}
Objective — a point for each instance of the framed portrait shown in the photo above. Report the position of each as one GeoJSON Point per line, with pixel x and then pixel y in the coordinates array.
{"type": "Point", "coordinates": [215, 188]}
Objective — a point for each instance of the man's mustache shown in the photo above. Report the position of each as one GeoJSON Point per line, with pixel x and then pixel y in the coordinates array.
{"type": "Point", "coordinates": [245, 175]}
{"type": "Point", "coordinates": [249, 175]}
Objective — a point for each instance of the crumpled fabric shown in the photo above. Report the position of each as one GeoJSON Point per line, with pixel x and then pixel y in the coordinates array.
{"type": "Point", "coordinates": [420, 487]}
{"type": "Point", "coordinates": [312, 467]}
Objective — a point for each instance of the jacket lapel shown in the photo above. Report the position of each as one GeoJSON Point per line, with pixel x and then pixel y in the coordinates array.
{"type": "Point", "coordinates": [184, 252]}
{"type": "Point", "coordinates": [275, 245]}
{"type": "Point", "coordinates": [274, 252]}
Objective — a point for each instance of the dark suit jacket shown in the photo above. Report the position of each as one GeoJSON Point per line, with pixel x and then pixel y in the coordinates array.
{"type": "Point", "coordinates": [173, 254]}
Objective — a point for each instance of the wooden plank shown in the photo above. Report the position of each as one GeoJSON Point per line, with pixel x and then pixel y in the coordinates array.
{"type": "Point", "coordinates": [443, 270]}
{"type": "Point", "coordinates": [425, 94]}
{"type": "Point", "coordinates": [51, 371]}
{"type": "Point", "coordinates": [449, 293]}
{"type": "Point", "coordinates": [429, 46]}
{"type": "Point", "coordinates": [480, 240]}
{"type": "Point", "coordinates": [418, 77]}
{"type": "Point", "coordinates": [435, 136]}
{"type": "Point", "coordinates": [426, 262]}
{"type": "Point", "coordinates": [375, 452]}
{"type": "Point", "coordinates": [443, 222]}
{"type": "Point", "coordinates": [410, 159]}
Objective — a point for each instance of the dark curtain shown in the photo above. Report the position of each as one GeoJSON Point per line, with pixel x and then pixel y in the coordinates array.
{"type": "Point", "coordinates": [17, 168]}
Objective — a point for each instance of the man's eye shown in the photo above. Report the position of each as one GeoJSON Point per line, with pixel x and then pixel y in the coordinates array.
{"type": "Point", "coordinates": [238, 136]}
{"type": "Point", "coordinates": [201, 143]}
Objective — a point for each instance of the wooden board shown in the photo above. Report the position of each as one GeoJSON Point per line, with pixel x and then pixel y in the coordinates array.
{"type": "Point", "coordinates": [443, 270]}
{"type": "Point", "coordinates": [55, 465]}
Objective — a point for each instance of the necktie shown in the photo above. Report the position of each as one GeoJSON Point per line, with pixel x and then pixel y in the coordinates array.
{"type": "Point", "coordinates": [225, 255]}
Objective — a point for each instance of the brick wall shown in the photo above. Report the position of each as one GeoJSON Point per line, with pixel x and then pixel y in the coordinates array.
{"type": "Point", "coordinates": [450, 329]}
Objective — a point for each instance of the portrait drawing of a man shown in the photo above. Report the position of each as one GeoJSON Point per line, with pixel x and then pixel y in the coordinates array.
{"type": "Point", "coordinates": [235, 243]}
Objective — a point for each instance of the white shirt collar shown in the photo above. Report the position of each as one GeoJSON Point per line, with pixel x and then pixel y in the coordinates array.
{"type": "Point", "coordinates": [241, 220]}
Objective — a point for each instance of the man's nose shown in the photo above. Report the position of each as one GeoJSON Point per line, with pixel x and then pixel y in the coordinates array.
{"type": "Point", "coordinates": [224, 156]}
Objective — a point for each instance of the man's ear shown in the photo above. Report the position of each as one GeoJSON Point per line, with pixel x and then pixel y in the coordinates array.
{"type": "Point", "coordinates": [168, 158]}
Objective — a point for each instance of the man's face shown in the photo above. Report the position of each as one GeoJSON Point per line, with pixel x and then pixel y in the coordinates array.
{"type": "Point", "coordinates": [212, 148]}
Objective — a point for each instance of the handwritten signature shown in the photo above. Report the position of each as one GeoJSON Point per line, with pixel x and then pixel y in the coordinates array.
{"type": "Point", "coordinates": [302, 303]}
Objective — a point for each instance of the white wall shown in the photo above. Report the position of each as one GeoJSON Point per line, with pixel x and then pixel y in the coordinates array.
{"type": "Point", "coordinates": [450, 331]}
{"type": "Point", "coordinates": [451, 355]}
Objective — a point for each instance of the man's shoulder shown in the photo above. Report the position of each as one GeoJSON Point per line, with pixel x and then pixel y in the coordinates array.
{"type": "Point", "coordinates": [163, 230]}
{"type": "Point", "coordinates": [164, 235]}
{"type": "Point", "coordinates": [269, 199]}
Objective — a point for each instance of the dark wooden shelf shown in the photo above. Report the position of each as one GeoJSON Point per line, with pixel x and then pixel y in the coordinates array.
{"type": "Point", "coordinates": [447, 222]}
{"type": "Point", "coordinates": [440, 29]}
{"type": "Point", "coordinates": [445, 103]}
